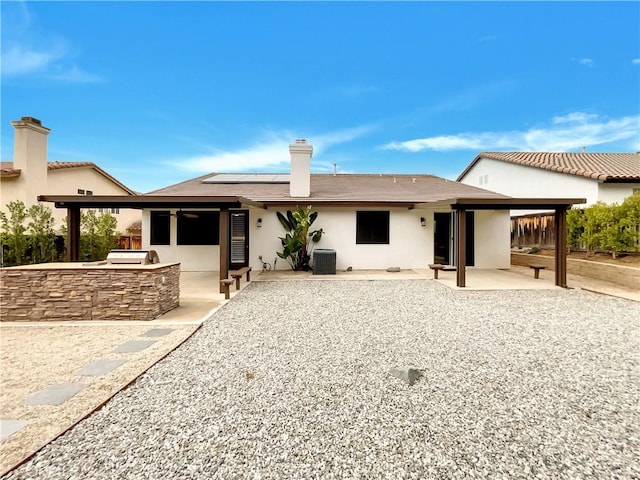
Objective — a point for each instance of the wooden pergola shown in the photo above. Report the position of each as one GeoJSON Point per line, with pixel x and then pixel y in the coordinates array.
{"type": "Point", "coordinates": [558, 205]}
{"type": "Point", "coordinates": [73, 204]}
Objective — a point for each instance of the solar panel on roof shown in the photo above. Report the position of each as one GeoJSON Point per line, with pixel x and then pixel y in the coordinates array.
{"type": "Point", "coordinates": [248, 178]}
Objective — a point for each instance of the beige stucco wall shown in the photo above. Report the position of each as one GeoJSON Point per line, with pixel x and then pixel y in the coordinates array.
{"type": "Point", "coordinates": [67, 182]}
{"type": "Point", "coordinates": [411, 245]}
{"type": "Point", "coordinates": [30, 157]}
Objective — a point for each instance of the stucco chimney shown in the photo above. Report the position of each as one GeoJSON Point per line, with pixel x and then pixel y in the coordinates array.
{"type": "Point", "coordinates": [30, 156]}
{"type": "Point", "coordinates": [30, 147]}
{"type": "Point", "coordinates": [300, 184]}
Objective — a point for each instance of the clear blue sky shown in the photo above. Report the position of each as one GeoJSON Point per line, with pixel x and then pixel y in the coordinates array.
{"type": "Point", "coordinates": [159, 92]}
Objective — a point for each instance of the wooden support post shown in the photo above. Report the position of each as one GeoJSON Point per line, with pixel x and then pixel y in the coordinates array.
{"type": "Point", "coordinates": [461, 247]}
{"type": "Point", "coordinates": [73, 234]}
{"type": "Point", "coordinates": [224, 245]}
{"type": "Point", "coordinates": [561, 247]}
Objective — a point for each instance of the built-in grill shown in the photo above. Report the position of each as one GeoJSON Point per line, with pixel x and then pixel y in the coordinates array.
{"type": "Point", "coordinates": [132, 257]}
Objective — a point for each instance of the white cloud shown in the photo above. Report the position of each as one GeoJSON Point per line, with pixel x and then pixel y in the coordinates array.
{"type": "Point", "coordinates": [267, 155]}
{"type": "Point", "coordinates": [579, 117]}
{"type": "Point", "coordinates": [29, 50]}
{"type": "Point", "coordinates": [572, 132]}
{"type": "Point", "coordinates": [21, 60]}
{"type": "Point", "coordinates": [75, 75]}
{"type": "Point", "coordinates": [635, 61]}
{"type": "Point", "coordinates": [586, 61]}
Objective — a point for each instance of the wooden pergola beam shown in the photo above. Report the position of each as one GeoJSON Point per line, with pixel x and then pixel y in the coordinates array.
{"type": "Point", "coordinates": [561, 247]}
{"type": "Point", "coordinates": [461, 247]}
{"type": "Point", "coordinates": [224, 245]}
{"type": "Point", "coordinates": [73, 234]}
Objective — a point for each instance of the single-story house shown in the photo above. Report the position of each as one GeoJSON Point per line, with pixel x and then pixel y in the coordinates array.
{"type": "Point", "coordinates": [598, 177]}
{"type": "Point", "coordinates": [30, 174]}
{"type": "Point", "coordinates": [220, 221]}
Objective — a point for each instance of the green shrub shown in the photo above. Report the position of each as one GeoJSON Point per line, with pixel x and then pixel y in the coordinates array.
{"type": "Point", "coordinates": [298, 241]}
{"type": "Point", "coordinates": [606, 228]}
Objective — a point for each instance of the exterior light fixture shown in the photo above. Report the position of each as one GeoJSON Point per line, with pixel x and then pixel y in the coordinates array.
{"type": "Point", "coordinates": [423, 222]}
{"type": "Point", "coordinates": [259, 223]}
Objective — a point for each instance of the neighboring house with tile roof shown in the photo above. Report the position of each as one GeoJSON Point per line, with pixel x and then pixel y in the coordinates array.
{"type": "Point", "coordinates": [605, 177]}
{"type": "Point", "coordinates": [31, 175]}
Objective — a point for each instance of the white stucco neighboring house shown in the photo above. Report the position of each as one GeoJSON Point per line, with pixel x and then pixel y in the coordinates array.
{"type": "Point", "coordinates": [597, 177]}
{"type": "Point", "coordinates": [30, 174]}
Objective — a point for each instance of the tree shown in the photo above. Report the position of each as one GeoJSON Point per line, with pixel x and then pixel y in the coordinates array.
{"type": "Point", "coordinates": [97, 235]}
{"type": "Point", "coordinates": [297, 244]}
{"type": "Point", "coordinates": [14, 242]}
{"type": "Point", "coordinates": [630, 222]}
{"type": "Point", "coordinates": [575, 227]}
{"type": "Point", "coordinates": [42, 235]}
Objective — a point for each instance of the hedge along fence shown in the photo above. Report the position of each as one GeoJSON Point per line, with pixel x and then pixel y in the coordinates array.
{"type": "Point", "coordinates": [606, 228]}
{"type": "Point", "coordinates": [27, 236]}
{"type": "Point", "coordinates": [599, 228]}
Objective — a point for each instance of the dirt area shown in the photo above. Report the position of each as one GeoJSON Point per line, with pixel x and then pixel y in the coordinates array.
{"type": "Point", "coordinates": [629, 260]}
{"type": "Point", "coordinates": [32, 357]}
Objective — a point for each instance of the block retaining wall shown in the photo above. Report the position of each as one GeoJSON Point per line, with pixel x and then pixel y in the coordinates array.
{"type": "Point", "coordinates": [618, 274]}
{"type": "Point", "coordinates": [33, 294]}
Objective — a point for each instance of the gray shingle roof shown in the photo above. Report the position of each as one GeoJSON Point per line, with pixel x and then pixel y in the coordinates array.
{"type": "Point", "coordinates": [347, 188]}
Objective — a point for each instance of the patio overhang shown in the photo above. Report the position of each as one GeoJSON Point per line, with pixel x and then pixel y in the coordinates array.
{"type": "Point", "coordinates": [148, 201]}
{"type": "Point", "coordinates": [73, 204]}
{"type": "Point", "coordinates": [559, 205]}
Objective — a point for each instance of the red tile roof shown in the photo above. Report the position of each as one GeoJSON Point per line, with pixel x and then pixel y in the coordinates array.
{"type": "Point", "coordinates": [341, 188]}
{"type": "Point", "coordinates": [7, 170]}
{"type": "Point", "coordinates": [606, 167]}
{"type": "Point", "coordinates": [61, 165]}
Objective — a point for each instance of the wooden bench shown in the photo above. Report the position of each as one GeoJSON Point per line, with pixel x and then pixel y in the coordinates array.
{"type": "Point", "coordinates": [536, 270]}
{"type": "Point", "coordinates": [237, 274]}
{"type": "Point", "coordinates": [224, 283]}
{"type": "Point", "coordinates": [436, 267]}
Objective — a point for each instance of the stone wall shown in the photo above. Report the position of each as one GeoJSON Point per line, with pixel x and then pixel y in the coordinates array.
{"type": "Point", "coordinates": [618, 274]}
{"type": "Point", "coordinates": [58, 292]}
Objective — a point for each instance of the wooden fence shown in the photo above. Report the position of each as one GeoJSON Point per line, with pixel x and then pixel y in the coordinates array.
{"type": "Point", "coordinates": [533, 230]}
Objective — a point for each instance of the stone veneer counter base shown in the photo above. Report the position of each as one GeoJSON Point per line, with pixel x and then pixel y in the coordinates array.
{"type": "Point", "coordinates": [93, 291]}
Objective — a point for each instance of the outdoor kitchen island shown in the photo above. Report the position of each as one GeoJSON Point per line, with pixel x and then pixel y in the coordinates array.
{"type": "Point", "coordinates": [88, 291]}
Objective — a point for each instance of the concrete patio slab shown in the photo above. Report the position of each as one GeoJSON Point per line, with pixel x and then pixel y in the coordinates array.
{"type": "Point", "coordinates": [101, 367]}
{"type": "Point", "coordinates": [55, 394]}
{"type": "Point", "coordinates": [494, 279]}
{"type": "Point", "coordinates": [9, 427]}
{"type": "Point", "coordinates": [133, 346]}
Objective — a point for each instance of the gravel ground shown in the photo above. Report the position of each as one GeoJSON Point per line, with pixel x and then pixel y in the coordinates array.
{"type": "Point", "coordinates": [291, 380]}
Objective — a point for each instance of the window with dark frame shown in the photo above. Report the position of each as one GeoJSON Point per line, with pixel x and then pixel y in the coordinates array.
{"type": "Point", "coordinates": [198, 228]}
{"type": "Point", "coordinates": [372, 227]}
{"type": "Point", "coordinates": [160, 228]}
